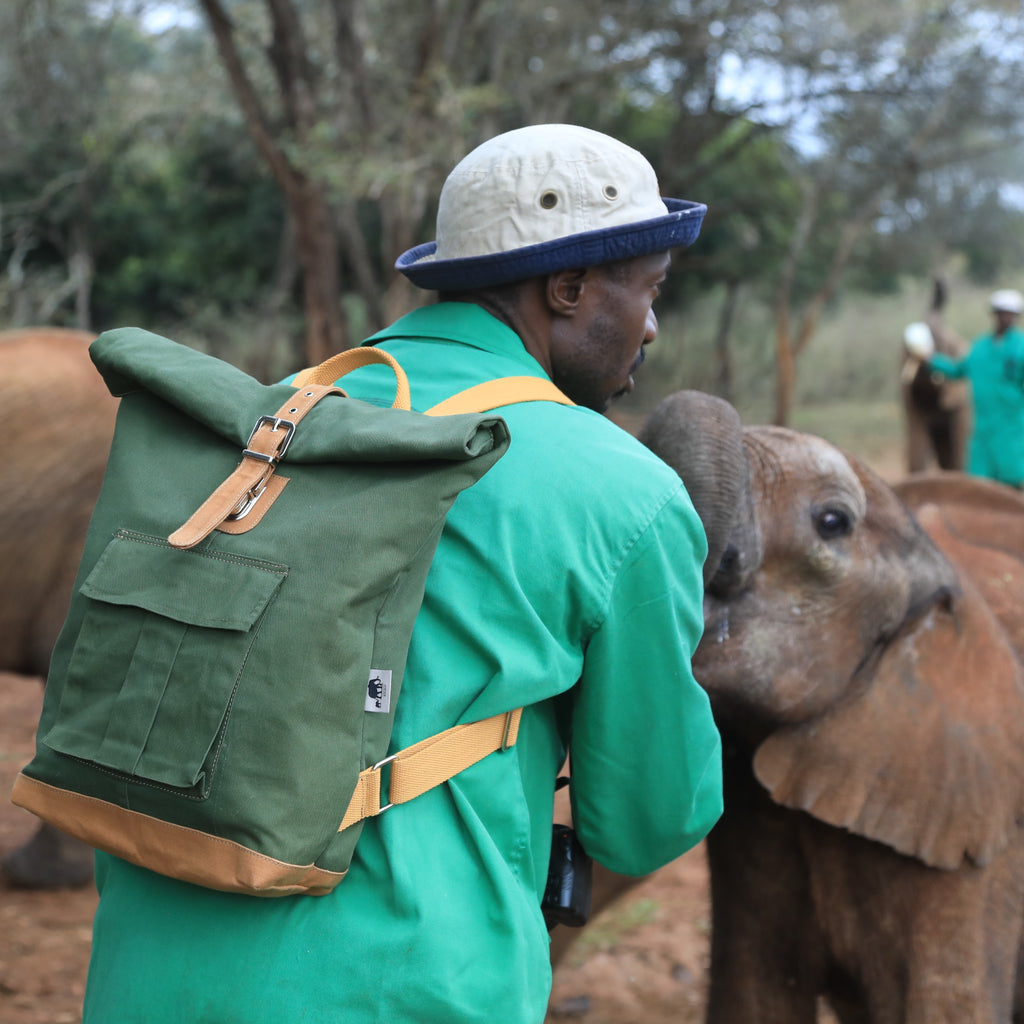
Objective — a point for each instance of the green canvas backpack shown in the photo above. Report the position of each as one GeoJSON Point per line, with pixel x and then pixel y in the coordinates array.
{"type": "Point", "coordinates": [221, 697]}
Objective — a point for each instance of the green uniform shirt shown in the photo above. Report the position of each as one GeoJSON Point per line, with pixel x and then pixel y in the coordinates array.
{"type": "Point", "coordinates": [995, 368]}
{"type": "Point", "coordinates": [577, 559]}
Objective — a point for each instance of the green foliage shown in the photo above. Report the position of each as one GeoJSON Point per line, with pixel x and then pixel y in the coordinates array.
{"type": "Point", "coordinates": [125, 153]}
{"type": "Point", "coordinates": [752, 204]}
{"type": "Point", "coordinates": [991, 238]}
{"type": "Point", "coordinates": [205, 223]}
{"type": "Point", "coordinates": [126, 161]}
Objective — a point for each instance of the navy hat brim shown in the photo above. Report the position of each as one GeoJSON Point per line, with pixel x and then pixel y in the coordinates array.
{"type": "Point", "coordinates": [679, 227]}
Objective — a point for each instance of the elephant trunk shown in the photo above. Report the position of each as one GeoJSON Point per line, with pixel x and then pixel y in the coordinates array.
{"type": "Point", "coordinates": [701, 438]}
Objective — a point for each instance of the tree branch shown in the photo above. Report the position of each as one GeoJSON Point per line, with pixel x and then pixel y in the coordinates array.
{"type": "Point", "coordinates": [286, 175]}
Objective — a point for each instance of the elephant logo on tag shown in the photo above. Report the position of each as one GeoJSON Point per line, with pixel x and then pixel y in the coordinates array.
{"type": "Point", "coordinates": [378, 691]}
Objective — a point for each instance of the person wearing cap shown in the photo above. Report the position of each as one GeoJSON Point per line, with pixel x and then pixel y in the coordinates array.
{"type": "Point", "coordinates": [567, 581]}
{"type": "Point", "coordinates": [994, 365]}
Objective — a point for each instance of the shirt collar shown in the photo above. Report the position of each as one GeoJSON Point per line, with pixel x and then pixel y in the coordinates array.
{"type": "Point", "coordinates": [462, 322]}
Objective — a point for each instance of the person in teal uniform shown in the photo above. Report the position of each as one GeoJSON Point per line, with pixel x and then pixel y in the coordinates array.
{"type": "Point", "coordinates": [568, 581]}
{"type": "Point", "coordinates": [994, 365]}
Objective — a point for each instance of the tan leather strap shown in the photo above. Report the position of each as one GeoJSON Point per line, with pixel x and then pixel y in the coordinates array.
{"type": "Point", "coordinates": [338, 365]}
{"type": "Point", "coordinates": [430, 762]}
{"type": "Point", "coordinates": [267, 443]}
{"type": "Point", "coordinates": [503, 391]}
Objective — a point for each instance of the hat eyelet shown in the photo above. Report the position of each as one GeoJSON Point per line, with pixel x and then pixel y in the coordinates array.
{"type": "Point", "coordinates": [611, 193]}
{"type": "Point", "coordinates": [549, 200]}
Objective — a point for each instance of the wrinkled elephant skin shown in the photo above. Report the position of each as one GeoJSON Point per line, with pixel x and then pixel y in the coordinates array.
{"type": "Point", "coordinates": [59, 419]}
{"type": "Point", "coordinates": [866, 676]}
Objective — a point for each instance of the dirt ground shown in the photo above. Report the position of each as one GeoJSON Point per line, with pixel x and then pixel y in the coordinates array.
{"type": "Point", "coordinates": [44, 936]}
{"type": "Point", "coordinates": [643, 960]}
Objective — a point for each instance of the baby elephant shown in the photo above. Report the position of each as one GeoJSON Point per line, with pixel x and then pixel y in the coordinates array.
{"type": "Point", "coordinates": [863, 650]}
{"type": "Point", "coordinates": [57, 430]}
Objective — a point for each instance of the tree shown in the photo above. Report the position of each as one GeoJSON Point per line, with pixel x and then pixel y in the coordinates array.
{"type": "Point", "coordinates": [360, 109]}
{"type": "Point", "coordinates": [55, 101]}
{"type": "Point", "coordinates": [915, 88]}
{"type": "Point", "coordinates": [123, 190]}
{"type": "Point", "coordinates": [820, 135]}
{"type": "Point", "coordinates": [868, 105]}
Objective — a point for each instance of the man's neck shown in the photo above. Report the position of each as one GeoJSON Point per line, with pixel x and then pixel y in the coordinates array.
{"type": "Point", "coordinates": [525, 314]}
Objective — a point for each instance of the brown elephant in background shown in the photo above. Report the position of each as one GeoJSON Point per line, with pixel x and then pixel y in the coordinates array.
{"type": "Point", "coordinates": [862, 651]}
{"type": "Point", "coordinates": [936, 411]}
{"type": "Point", "coordinates": [59, 419]}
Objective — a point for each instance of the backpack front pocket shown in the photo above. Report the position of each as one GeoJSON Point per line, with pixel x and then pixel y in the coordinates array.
{"type": "Point", "coordinates": [159, 656]}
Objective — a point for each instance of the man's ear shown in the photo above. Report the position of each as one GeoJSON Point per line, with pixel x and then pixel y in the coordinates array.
{"type": "Point", "coordinates": [564, 291]}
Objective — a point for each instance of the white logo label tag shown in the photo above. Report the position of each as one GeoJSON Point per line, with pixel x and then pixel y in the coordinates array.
{"type": "Point", "coordinates": [378, 691]}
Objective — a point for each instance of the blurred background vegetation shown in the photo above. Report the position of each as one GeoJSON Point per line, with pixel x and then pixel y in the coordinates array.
{"type": "Point", "coordinates": [241, 174]}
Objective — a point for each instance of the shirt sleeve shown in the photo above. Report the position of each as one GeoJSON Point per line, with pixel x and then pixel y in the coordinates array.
{"type": "Point", "coordinates": [954, 369]}
{"type": "Point", "coordinates": [646, 755]}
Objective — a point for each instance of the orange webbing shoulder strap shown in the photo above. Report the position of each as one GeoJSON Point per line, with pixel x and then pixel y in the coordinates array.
{"type": "Point", "coordinates": [481, 398]}
{"type": "Point", "coordinates": [502, 391]}
{"type": "Point", "coordinates": [430, 762]}
{"type": "Point", "coordinates": [436, 759]}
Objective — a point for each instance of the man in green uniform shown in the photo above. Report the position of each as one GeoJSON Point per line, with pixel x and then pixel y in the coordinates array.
{"type": "Point", "coordinates": [995, 367]}
{"type": "Point", "coordinates": [568, 581]}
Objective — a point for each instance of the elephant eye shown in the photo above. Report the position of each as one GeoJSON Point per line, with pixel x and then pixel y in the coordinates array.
{"type": "Point", "coordinates": [832, 523]}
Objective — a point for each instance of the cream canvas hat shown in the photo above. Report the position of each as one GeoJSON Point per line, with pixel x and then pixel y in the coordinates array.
{"type": "Point", "coordinates": [545, 198]}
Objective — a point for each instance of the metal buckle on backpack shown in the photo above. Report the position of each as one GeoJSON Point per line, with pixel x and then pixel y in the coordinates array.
{"type": "Point", "coordinates": [508, 730]}
{"type": "Point", "coordinates": [245, 506]}
{"type": "Point", "coordinates": [378, 765]}
{"type": "Point", "coordinates": [276, 424]}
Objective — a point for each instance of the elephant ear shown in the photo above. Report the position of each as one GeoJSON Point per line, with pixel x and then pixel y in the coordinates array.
{"type": "Point", "coordinates": [927, 756]}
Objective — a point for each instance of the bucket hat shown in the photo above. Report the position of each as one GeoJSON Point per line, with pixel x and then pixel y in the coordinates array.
{"type": "Point", "coordinates": [545, 198]}
{"type": "Point", "coordinates": [1007, 300]}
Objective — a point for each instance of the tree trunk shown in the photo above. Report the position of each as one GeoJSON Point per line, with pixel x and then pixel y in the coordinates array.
{"type": "Point", "coordinates": [315, 233]}
{"type": "Point", "coordinates": [723, 346]}
{"type": "Point", "coordinates": [83, 295]}
{"type": "Point", "coordinates": [785, 354]}
{"type": "Point", "coordinates": [78, 283]}
{"type": "Point", "coordinates": [790, 347]}
{"type": "Point", "coordinates": [317, 246]}
{"type": "Point", "coordinates": [263, 364]}
{"type": "Point", "coordinates": [785, 372]}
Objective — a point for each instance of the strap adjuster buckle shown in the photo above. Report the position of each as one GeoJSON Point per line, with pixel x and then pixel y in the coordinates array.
{"type": "Point", "coordinates": [377, 767]}
{"type": "Point", "coordinates": [276, 424]}
{"type": "Point", "coordinates": [248, 500]}
{"type": "Point", "coordinates": [508, 729]}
